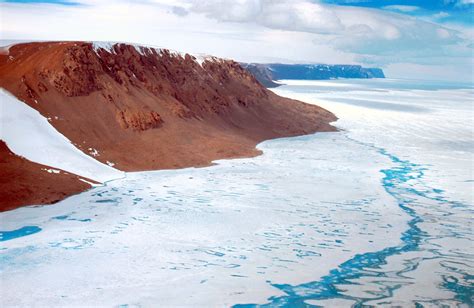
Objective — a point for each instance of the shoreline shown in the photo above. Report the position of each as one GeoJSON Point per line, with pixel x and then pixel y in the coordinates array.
{"type": "Point", "coordinates": [51, 199]}
{"type": "Point", "coordinates": [139, 109]}
{"type": "Point", "coordinates": [173, 180]}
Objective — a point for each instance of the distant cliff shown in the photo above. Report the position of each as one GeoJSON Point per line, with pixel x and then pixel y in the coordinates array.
{"type": "Point", "coordinates": [267, 73]}
{"type": "Point", "coordinates": [262, 73]}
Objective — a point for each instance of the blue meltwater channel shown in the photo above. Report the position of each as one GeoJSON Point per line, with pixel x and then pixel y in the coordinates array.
{"type": "Point", "coordinates": [24, 231]}
{"type": "Point", "coordinates": [371, 266]}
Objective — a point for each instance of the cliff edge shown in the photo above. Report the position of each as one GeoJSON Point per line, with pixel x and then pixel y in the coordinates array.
{"type": "Point", "coordinates": [140, 108]}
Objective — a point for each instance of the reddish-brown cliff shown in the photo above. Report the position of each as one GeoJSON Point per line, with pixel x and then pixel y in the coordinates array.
{"type": "Point", "coordinates": [24, 182]}
{"type": "Point", "coordinates": [144, 108]}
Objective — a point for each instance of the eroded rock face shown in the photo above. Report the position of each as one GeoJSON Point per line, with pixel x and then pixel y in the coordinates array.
{"type": "Point", "coordinates": [139, 120]}
{"type": "Point", "coordinates": [144, 108]}
{"type": "Point", "coordinates": [80, 74]}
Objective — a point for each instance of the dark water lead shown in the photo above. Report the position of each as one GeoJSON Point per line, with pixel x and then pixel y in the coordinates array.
{"type": "Point", "coordinates": [24, 231]}
{"type": "Point", "coordinates": [363, 267]}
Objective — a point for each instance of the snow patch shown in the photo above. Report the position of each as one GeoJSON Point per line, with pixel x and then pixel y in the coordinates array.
{"type": "Point", "coordinates": [144, 49]}
{"type": "Point", "coordinates": [29, 134]}
{"type": "Point", "coordinates": [177, 54]}
{"type": "Point", "coordinates": [93, 152]}
{"type": "Point", "coordinates": [88, 182]}
{"type": "Point", "coordinates": [56, 171]}
{"type": "Point", "coordinates": [108, 46]}
{"type": "Point", "coordinates": [201, 58]}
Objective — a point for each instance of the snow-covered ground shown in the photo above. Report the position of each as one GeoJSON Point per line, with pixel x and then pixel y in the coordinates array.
{"type": "Point", "coordinates": [29, 134]}
{"type": "Point", "coordinates": [215, 234]}
{"type": "Point", "coordinates": [426, 122]}
{"type": "Point", "coordinates": [331, 219]}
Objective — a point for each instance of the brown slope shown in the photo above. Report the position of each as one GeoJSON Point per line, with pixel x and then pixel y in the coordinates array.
{"type": "Point", "coordinates": [152, 109]}
{"type": "Point", "coordinates": [24, 182]}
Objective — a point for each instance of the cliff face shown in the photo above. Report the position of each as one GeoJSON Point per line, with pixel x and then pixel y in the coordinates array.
{"type": "Point", "coordinates": [141, 108]}
{"type": "Point", "coordinates": [262, 73]}
{"type": "Point", "coordinates": [24, 182]}
{"type": "Point", "coordinates": [266, 73]}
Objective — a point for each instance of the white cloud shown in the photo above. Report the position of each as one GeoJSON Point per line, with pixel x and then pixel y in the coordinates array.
{"type": "Point", "coordinates": [465, 2]}
{"type": "Point", "coordinates": [387, 34]}
{"type": "Point", "coordinates": [441, 15]}
{"type": "Point", "coordinates": [402, 8]}
{"type": "Point", "coordinates": [362, 31]}
{"type": "Point", "coordinates": [459, 3]}
{"type": "Point", "coordinates": [294, 15]}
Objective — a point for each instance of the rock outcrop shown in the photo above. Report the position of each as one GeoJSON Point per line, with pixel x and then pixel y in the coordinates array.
{"type": "Point", "coordinates": [262, 73]}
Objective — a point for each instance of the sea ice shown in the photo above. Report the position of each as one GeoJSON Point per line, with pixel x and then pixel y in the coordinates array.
{"type": "Point", "coordinates": [378, 213]}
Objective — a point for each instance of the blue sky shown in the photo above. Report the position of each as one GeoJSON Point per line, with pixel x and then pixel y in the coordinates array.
{"type": "Point", "coordinates": [432, 5]}
{"type": "Point", "coordinates": [414, 39]}
{"type": "Point", "coordinates": [455, 10]}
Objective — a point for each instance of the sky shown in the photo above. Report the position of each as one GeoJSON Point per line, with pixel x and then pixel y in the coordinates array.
{"type": "Point", "coordinates": [418, 39]}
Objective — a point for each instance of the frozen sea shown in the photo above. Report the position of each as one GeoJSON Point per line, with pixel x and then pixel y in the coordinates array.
{"type": "Point", "coordinates": [379, 213]}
